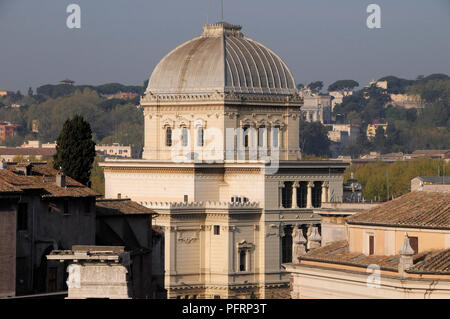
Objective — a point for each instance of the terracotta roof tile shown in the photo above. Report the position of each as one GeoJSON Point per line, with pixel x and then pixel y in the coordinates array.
{"type": "Point", "coordinates": [43, 178]}
{"type": "Point", "coordinates": [43, 151]}
{"type": "Point", "coordinates": [435, 262]}
{"type": "Point", "coordinates": [416, 209]}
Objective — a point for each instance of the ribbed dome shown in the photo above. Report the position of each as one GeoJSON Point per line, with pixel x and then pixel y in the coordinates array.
{"type": "Point", "coordinates": [223, 60]}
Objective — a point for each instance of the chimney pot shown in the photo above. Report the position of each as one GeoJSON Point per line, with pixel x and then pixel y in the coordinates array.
{"type": "Point", "coordinates": [61, 179]}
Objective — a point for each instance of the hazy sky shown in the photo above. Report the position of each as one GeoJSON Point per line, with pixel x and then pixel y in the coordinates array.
{"type": "Point", "coordinates": [121, 41]}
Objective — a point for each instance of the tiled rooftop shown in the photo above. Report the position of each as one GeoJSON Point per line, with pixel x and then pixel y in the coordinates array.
{"type": "Point", "coordinates": [431, 262]}
{"type": "Point", "coordinates": [112, 207]}
{"type": "Point", "coordinates": [43, 178]}
{"type": "Point", "coordinates": [27, 151]}
{"type": "Point", "coordinates": [418, 209]}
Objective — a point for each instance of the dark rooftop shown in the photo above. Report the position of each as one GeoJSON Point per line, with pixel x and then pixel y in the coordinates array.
{"type": "Point", "coordinates": [42, 177]}
{"type": "Point", "coordinates": [119, 207]}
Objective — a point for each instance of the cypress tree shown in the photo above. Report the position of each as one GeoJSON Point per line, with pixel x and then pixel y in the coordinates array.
{"type": "Point", "coordinates": [75, 149]}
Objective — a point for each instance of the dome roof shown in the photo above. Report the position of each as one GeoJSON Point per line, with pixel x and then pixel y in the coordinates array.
{"type": "Point", "coordinates": [222, 60]}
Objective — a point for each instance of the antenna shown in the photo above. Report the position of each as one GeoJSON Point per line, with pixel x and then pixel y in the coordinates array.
{"type": "Point", "coordinates": [221, 1]}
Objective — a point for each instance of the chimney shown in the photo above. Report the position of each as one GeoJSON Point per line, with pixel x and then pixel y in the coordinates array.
{"type": "Point", "coordinates": [24, 169]}
{"type": "Point", "coordinates": [406, 257]}
{"type": "Point", "coordinates": [61, 179]}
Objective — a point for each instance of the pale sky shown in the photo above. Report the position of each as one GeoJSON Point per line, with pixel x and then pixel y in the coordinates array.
{"type": "Point", "coordinates": [122, 41]}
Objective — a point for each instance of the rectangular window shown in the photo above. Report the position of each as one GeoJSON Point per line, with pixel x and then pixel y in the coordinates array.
{"type": "Point", "coordinates": [414, 243]}
{"type": "Point", "coordinates": [168, 136]}
{"type": "Point", "coordinates": [22, 216]}
{"type": "Point", "coordinates": [200, 136]}
{"type": "Point", "coordinates": [52, 279]}
{"type": "Point", "coordinates": [216, 230]}
{"type": "Point", "coordinates": [371, 245]}
{"type": "Point", "coordinates": [66, 207]}
{"type": "Point", "coordinates": [87, 206]}
{"type": "Point", "coordinates": [242, 260]}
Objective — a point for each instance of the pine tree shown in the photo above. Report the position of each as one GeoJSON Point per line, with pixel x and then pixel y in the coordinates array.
{"type": "Point", "coordinates": [75, 149]}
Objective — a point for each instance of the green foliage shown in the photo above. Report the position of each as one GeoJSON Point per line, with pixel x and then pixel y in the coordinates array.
{"type": "Point", "coordinates": [408, 129]}
{"type": "Point", "coordinates": [98, 177]}
{"type": "Point", "coordinates": [55, 91]}
{"type": "Point", "coordinates": [396, 85]}
{"type": "Point", "coordinates": [377, 178]}
{"type": "Point", "coordinates": [314, 139]}
{"type": "Point", "coordinates": [75, 149]}
{"type": "Point", "coordinates": [342, 85]}
{"type": "Point", "coordinates": [113, 120]}
{"type": "Point", "coordinates": [316, 86]}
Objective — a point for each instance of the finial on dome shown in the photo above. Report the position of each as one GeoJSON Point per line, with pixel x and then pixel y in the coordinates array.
{"type": "Point", "coordinates": [222, 28]}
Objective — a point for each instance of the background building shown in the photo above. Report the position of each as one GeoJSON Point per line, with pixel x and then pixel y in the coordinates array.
{"type": "Point", "coordinates": [116, 150]}
{"type": "Point", "coordinates": [7, 129]}
{"type": "Point", "coordinates": [399, 249]}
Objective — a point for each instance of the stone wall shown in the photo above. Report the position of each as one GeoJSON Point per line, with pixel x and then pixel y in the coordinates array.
{"type": "Point", "coordinates": [7, 248]}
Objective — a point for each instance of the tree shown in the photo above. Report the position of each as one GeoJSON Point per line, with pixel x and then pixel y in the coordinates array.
{"type": "Point", "coordinates": [316, 86]}
{"type": "Point", "coordinates": [30, 91]}
{"type": "Point", "coordinates": [314, 139]}
{"type": "Point", "coordinates": [343, 85]}
{"type": "Point", "coordinates": [75, 149]}
{"type": "Point", "coordinates": [379, 140]}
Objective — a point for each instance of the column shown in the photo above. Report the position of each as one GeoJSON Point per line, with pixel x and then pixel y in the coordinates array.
{"type": "Point", "coordinates": [309, 195]}
{"type": "Point", "coordinates": [295, 185]}
{"type": "Point", "coordinates": [324, 192]}
{"type": "Point", "coordinates": [280, 194]}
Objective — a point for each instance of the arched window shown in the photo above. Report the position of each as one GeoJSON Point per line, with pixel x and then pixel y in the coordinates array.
{"type": "Point", "coordinates": [261, 135]}
{"type": "Point", "coordinates": [200, 136]}
{"type": "Point", "coordinates": [246, 134]}
{"type": "Point", "coordinates": [185, 137]}
{"type": "Point", "coordinates": [168, 136]}
{"type": "Point", "coordinates": [275, 137]}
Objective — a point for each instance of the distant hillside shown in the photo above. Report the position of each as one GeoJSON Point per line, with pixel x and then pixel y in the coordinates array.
{"type": "Point", "coordinates": [111, 120]}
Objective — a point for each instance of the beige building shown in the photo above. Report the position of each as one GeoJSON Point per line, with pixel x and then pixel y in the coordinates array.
{"type": "Point", "coordinates": [116, 150]}
{"type": "Point", "coordinates": [316, 108]}
{"type": "Point", "coordinates": [372, 129]}
{"type": "Point", "coordinates": [221, 166]}
{"type": "Point", "coordinates": [399, 249]}
{"type": "Point", "coordinates": [343, 133]}
{"type": "Point", "coordinates": [338, 97]}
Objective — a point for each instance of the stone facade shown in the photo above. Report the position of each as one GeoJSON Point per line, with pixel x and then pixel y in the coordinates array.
{"type": "Point", "coordinates": [228, 205]}
{"type": "Point", "coordinates": [95, 271]}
